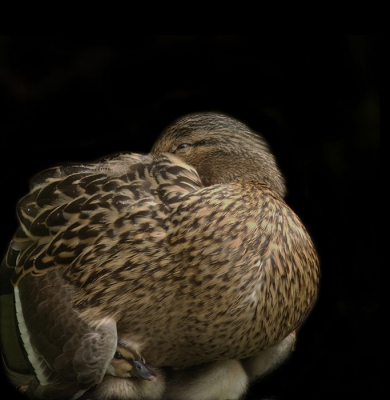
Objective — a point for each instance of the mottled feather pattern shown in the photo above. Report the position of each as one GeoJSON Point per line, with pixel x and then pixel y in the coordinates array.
{"type": "Point", "coordinates": [77, 201]}
{"type": "Point", "coordinates": [92, 222]}
{"type": "Point", "coordinates": [190, 253]}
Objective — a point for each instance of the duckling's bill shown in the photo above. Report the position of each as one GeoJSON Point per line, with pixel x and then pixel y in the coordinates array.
{"type": "Point", "coordinates": [141, 371]}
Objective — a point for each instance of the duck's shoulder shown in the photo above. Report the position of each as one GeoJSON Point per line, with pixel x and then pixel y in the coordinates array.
{"type": "Point", "coordinates": [135, 174]}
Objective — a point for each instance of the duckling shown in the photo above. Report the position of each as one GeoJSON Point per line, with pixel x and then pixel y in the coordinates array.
{"type": "Point", "coordinates": [219, 380]}
{"type": "Point", "coordinates": [261, 365]}
{"type": "Point", "coordinates": [127, 377]}
{"type": "Point", "coordinates": [228, 379]}
{"type": "Point", "coordinates": [114, 388]}
{"type": "Point", "coordinates": [128, 362]}
{"type": "Point", "coordinates": [190, 251]}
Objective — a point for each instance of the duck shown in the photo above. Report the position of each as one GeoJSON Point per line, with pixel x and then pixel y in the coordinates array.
{"type": "Point", "coordinates": [218, 380]}
{"type": "Point", "coordinates": [226, 379]}
{"type": "Point", "coordinates": [114, 388]}
{"type": "Point", "coordinates": [268, 360]}
{"type": "Point", "coordinates": [190, 250]}
{"type": "Point", "coordinates": [128, 362]}
{"type": "Point", "coordinates": [128, 377]}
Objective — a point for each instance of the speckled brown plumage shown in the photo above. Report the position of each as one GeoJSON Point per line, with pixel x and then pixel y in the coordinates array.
{"type": "Point", "coordinates": [190, 251]}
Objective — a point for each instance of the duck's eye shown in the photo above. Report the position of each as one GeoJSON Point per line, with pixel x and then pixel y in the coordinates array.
{"type": "Point", "coordinates": [118, 355]}
{"type": "Point", "coordinates": [182, 146]}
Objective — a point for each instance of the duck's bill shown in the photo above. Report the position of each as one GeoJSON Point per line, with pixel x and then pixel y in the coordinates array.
{"type": "Point", "coordinates": [141, 371]}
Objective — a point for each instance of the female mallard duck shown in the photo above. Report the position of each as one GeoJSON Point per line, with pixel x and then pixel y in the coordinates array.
{"type": "Point", "coordinates": [190, 251]}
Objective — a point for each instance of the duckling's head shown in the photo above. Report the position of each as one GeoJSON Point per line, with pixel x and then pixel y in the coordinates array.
{"type": "Point", "coordinates": [221, 149]}
{"type": "Point", "coordinates": [128, 362]}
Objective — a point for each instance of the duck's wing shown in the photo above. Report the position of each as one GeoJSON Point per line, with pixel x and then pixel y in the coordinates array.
{"type": "Point", "coordinates": [46, 345]}
{"type": "Point", "coordinates": [67, 354]}
{"type": "Point", "coordinates": [73, 207]}
{"type": "Point", "coordinates": [60, 222]}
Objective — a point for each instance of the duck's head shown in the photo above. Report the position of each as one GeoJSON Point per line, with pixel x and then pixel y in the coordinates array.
{"type": "Point", "coordinates": [221, 149]}
{"type": "Point", "coordinates": [128, 362]}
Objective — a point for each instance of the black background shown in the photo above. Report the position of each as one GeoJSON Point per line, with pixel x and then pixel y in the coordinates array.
{"type": "Point", "coordinates": [315, 99]}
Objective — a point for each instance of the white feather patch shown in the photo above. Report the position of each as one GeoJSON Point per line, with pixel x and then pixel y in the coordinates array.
{"type": "Point", "coordinates": [36, 361]}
